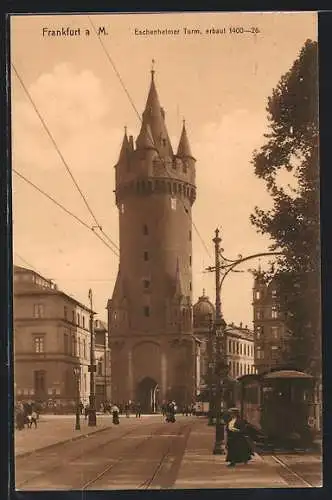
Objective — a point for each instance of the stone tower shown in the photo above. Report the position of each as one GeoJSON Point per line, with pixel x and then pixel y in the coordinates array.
{"type": "Point", "coordinates": [150, 313]}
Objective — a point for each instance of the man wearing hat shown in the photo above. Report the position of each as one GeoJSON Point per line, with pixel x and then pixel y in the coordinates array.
{"type": "Point", "coordinates": [238, 447]}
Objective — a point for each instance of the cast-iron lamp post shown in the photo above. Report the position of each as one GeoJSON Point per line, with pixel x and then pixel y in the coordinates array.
{"type": "Point", "coordinates": [221, 366]}
{"type": "Point", "coordinates": [77, 371]}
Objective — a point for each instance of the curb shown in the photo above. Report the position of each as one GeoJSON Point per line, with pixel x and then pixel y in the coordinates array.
{"type": "Point", "coordinates": [59, 443]}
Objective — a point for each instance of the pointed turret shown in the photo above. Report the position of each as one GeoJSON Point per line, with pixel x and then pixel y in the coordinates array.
{"type": "Point", "coordinates": [125, 149]}
{"type": "Point", "coordinates": [145, 138]}
{"type": "Point", "coordinates": [154, 116]}
{"type": "Point", "coordinates": [184, 150]}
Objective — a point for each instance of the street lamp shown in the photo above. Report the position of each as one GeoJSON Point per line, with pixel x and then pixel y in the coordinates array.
{"type": "Point", "coordinates": [210, 370]}
{"type": "Point", "coordinates": [221, 365]}
{"type": "Point", "coordinates": [77, 371]}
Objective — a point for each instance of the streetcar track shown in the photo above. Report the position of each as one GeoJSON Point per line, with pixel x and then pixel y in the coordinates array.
{"type": "Point", "coordinates": [129, 452]}
{"type": "Point", "coordinates": [52, 469]}
{"type": "Point", "coordinates": [147, 483]}
{"type": "Point", "coordinates": [291, 471]}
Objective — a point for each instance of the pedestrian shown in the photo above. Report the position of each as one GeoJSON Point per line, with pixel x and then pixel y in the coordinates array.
{"type": "Point", "coordinates": [81, 407]}
{"type": "Point", "coordinates": [138, 410]}
{"type": "Point", "coordinates": [115, 412]}
{"type": "Point", "coordinates": [127, 410]}
{"type": "Point", "coordinates": [86, 411]}
{"type": "Point", "coordinates": [238, 447]}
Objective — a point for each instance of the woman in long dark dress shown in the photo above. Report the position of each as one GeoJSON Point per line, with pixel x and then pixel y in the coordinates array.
{"type": "Point", "coordinates": [238, 447]}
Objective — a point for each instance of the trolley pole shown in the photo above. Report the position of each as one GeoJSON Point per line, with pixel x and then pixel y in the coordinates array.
{"type": "Point", "coordinates": [92, 420]}
{"type": "Point", "coordinates": [210, 370]}
{"type": "Point", "coordinates": [219, 333]}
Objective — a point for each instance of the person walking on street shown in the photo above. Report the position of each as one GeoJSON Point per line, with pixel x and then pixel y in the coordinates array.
{"type": "Point", "coordinates": [238, 447]}
{"type": "Point", "coordinates": [138, 410]}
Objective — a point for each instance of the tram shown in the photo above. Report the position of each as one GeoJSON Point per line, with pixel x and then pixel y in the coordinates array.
{"type": "Point", "coordinates": [277, 404]}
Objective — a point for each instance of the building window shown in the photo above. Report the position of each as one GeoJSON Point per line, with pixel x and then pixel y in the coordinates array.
{"type": "Point", "coordinates": [122, 208]}
{"type": "Point", "coordinates": [259, 332]}
{"type": "Point", "coordinates": [241, 349]}
{"type": "Point", "coordinates": [65, 311]}
{"type": "Point", "coordinates": [78, 319]}
{"type": "Point", "coordinates": [84, 381]}
{"type": "Point", "coordinates": [237, 348]}
{"type": "Point", "coordinates": [190, 286]}
{"type": "Point", "coordinates": [73, 345]}
{"type": "Point", "coordinates": [84, 348]}
{"type": "Point", "coordinates": [259, 314]}
{"type": "Point", "coordinates": [146, 310]}
{"type": "Point", "coordinates": [38, 310]}
{"type": "Point", "coordinates": [79, 347]}
{"type": "Point", "coordinates": [257, 294]}
{"type": "Point", "coordinates": [66, 343]}
{"type": "Point", "coordinates": [145, 230]}
{"type": "Point", "coordinates": [274, 294]}
{"type": "Point", "coordinates": [229, 346]}
{"type": "Point", "coordinates": [83, 319]}
{"type": "Point", "coordinates": [189, 260]}
{"type": "Point", "coordinates": [146, 255]}
{"type": "Point", "coordinates": [275, 332]}
{"type": "Point", "coordinates": [173, 203]}
{"type": "Point", "coordinates": [189, 235]}
{"type": "Point", "coordinates": [73, 316]}
{"type": "Point", "coordinates": [274, 351]}
{"type": "Point", "coordinates": [274, 312]}
{"type": "Point", "coordinates": [146, 284]}
{"type": "Point", "coordinates": [99, 368]}
{"type": "Point", "coordinates": [39, 344]}
{"type": "Point", "coordinates": [260, 354]}
{"type": "Point", "coordinates": [39, 381]}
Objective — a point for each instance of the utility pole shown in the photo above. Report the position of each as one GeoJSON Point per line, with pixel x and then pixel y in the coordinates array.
{"type": "Point", "coordinates": [220, 364]}
{"type": "Point", "coordinates": [210, 369]}
{"type": "Point", "coordinates": [92, 420]}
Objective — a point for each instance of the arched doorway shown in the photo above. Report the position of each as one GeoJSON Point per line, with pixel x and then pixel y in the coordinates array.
{"type": "Point", "coordinates": [147, 394]}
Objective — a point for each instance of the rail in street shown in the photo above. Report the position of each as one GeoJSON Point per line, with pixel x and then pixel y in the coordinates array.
{"type": "Point", "coordinates": [147, 453]}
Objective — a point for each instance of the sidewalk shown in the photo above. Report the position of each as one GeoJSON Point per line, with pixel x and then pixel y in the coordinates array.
{"type": "Point", "coordinates": [201, 469]}
{"type": "Point", "coordinates": [54, 430]}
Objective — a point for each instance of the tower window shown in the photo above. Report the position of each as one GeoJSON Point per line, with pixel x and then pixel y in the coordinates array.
{"type": "Point", "coordinates": [146, 255]}
{"type": "Point", "coordinates": [190, 286]}
{"type": "Point", "coordinates": [274, 312]}
{"type": "Point", "coordinates": [257, 294]}
{"type": "Point", "coordinates": [274, 293]}
{"type": "Point", "coordinates": [122, 208]}
{"type": "Point", "coordinates": [145, 230]}
{"type": "Point", "coordinates": [146, 284]}
{"type": "Point", "coordinates": [190, 235]}
{"type": "Point", "coordinates": [173, 203]}
{"type": "Point", "coordinates": [146, 310]}
{"type": "Point", "coordinates": [189, 260]}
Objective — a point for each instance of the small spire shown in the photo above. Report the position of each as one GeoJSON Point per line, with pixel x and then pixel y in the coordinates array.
{"type": "Point", "coordinates": [184, 150]}
{"type": "Point", "coordinates": [125, 148]}
{"type": "Point", "coordinates": [259, 266]}
{"type": "Point", "coordinates": [152, 69]}
{"type": "Point", "coordinates": [145, 138]}
{"type": "Point", "coordinates": [203, 292]}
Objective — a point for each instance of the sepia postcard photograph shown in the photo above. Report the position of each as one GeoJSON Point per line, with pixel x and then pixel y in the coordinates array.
{"type": "Point", "coordinates": [166, 251]}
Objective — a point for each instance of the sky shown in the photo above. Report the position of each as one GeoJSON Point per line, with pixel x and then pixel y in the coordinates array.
{"type": "Point", "coordinates": [218, 83]}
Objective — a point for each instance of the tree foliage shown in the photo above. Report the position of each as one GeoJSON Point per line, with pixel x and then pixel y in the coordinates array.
{"type": "Point", "coordinates": [292, 145]}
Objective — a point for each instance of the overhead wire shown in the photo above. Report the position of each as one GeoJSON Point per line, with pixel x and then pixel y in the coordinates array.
{"type": "Point", "coordinates": [98, 225]}
{"type": "Point", "coordinates": [140, 119]}
{"type": "Point", "coordinates": [68, 212]}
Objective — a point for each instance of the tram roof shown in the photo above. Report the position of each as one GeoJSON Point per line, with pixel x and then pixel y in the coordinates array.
{"type": "Point", "coordinates": [287, 374]}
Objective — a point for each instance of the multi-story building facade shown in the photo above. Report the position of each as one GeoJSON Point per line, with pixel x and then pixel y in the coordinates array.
{"type": "Point", "coordinates": [150, 313]}
{"type": "Point", "coordinates": [269, 325]}
{"type": "Point", "coordinates": [103, 363]}
{"type": "Point", "coordinates": [51, 338]}
{"type": "Point", "coordinates": [239, 343]}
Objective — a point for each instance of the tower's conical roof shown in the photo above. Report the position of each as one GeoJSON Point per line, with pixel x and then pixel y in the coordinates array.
{"type": "Point", "coordinates": [184, 150]}
{"type": "Point", "coordinates": [153, 116]}
{"type": "Point", "coordinates": [125, 148]}
{"type": "Point", "coordinates": [145, 138]}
